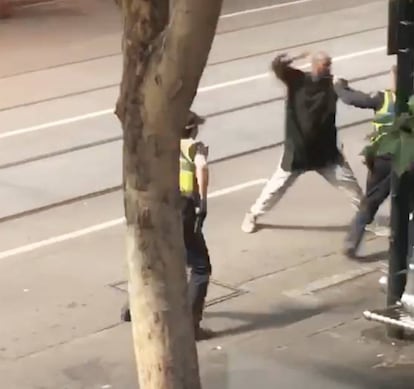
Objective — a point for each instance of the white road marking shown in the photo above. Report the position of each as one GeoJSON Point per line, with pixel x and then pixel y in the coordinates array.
{"type": "Point", "coordinates": [262, 9]}
{"type": "Point", "coordinates": [236, 188]}
{"type": "Point", "coordinates": [60, 238]}
{"type": "Point", "coordinates": [226, 84]}
{"type": "Point", "coordinates": [108, 224]}
{"type": "Point", "coordinates": [225, 16]}
{"type": "Point", "coordinates": [332, 280]}
{"type": "Point", "coordinates": [57, 123]}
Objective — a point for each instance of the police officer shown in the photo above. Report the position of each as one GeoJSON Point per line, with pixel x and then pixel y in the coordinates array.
{"type": "Point", "coordinates": [194, 175]}
{"type": "Point", "coordinates": [379, 167]}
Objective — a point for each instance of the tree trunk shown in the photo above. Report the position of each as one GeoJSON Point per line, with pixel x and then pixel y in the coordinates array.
{"type": "Point", "coordinates": [5, 9]}
{"type": "Point", "coordinates": [163, 62]}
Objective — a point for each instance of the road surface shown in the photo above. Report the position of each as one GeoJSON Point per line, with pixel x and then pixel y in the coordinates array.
{"type": "Point", "coordinates": [60, 162]}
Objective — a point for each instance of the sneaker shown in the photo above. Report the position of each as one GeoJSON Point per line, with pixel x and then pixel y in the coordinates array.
{"type": "Point", "coordinates": [383, 281]}
{"type": "Point", "coordinates": [383, 231]}
{"type": "Point", "coordinates": [350, 253]}
{"type": "Point", "coordinates": [350, 250]}
{"type": "Point", "coordinates": [378, 230]}
{"type": "Point", "coordinates": [249, 223]}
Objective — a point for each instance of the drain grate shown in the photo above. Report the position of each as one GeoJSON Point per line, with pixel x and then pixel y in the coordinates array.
{"type": "Point", "coordinates": [218, 291]}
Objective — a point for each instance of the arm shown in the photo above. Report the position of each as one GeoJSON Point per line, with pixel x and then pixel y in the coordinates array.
{"type": "Point", "coordinates": [283, 71]}
{"type": "Point", "coordinates": [357, 98]}
{"type": "Point", "coordinates": [202, 176]}
{"type": "Point", "coordinates": [202, 171]}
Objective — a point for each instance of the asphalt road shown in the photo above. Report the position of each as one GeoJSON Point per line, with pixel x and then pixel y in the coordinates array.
{"type": "Point", "coordinates": [72, 146]}
{"type": "Point", "coordinates": [60, 144]}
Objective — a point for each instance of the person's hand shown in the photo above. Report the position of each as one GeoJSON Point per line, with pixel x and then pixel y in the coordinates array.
{"type": "Point", "coordinates": [303, 55]}
{"type": "Point", "coordinates": [201, 214]}
{"type": "Point", "coordinates": [288, 59]}
{"type": "Point", "coordinates": [201, 210]}
{"type": "Point", "coordinates": [283, 58]}
{"type": "Point", "coordinates": [340, 81]}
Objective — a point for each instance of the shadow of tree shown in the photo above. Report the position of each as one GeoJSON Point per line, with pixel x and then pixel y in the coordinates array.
{"type": "Point", "coordinates": [281, 317]}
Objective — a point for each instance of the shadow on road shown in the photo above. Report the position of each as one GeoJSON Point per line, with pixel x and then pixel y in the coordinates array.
{"type": "Point", "coordinates": [283, 316]}
{"type": "Point", "coordinates": [374, 257]}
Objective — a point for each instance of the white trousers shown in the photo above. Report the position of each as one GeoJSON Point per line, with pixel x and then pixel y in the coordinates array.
{"type": "Point", "coordinates": [340, 176]}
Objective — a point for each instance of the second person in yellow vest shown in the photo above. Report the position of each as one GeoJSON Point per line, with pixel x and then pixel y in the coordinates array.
{"type": "Point", "coordinates": [194, 177]}
{"type": "Point", "coordinates": [379, 167]}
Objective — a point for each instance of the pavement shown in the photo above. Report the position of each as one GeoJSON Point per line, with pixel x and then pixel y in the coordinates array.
{"type": "Point", "coordinates": [285, 302]}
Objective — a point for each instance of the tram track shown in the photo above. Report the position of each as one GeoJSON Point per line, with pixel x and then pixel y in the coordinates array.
{"type": "Point", "coordinates": [10, 164]}
{"type": "Point", "coordinates": [229, 61]}
{"type": "Point", "coordinates": [309, 12]}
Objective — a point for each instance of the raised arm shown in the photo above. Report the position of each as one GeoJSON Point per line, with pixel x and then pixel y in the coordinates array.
{"type": "Point", "coordinates": [283, 70]}
{"type": "Point", "coordinates": [357, 98]}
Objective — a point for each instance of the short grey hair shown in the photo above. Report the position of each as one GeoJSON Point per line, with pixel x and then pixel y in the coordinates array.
{"type": "Point", "coordinates": [320, 56]}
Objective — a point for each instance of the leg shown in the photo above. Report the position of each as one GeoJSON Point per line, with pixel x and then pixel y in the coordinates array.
{"type": "Point", "coordinates": [378, 189]}
{"type": "Point", "coordinates": [198, 260]}
{"type": "Point", "coordinates": [342, 177]}
{"type": "Point", "coordinates": [271, 194]}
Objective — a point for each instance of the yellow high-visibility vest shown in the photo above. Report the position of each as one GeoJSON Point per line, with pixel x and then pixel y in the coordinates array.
{"type": "Point", "coordinates": [187, 168]}
{"type": "Point", "coordinates": [384, 117]}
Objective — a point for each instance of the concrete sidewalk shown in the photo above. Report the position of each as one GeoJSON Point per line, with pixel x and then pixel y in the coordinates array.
{"type": "Point", "coordinates": [278, 331]}
{"type": "Point", "coordinates": [271, 290]}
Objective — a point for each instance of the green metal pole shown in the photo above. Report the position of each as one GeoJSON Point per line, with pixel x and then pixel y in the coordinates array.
{"type": "Point", "coordinates": [400, 187]}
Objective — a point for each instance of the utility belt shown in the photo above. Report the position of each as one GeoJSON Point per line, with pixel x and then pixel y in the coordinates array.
{"type": "Point", "coordinates": [190, 198]}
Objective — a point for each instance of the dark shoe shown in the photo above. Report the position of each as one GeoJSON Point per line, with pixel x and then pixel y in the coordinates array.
{"type": "Point", "coordinates": [355, 234]}
{"type": "Point", "coordinates": [350, 252]}
{"type": "Point", "coordinates": [126, 314]}
{"type": "Point", "coordinates": [203, 334]}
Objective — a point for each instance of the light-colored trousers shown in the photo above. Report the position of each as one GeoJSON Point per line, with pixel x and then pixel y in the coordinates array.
{"type": "Point", "coordinates": [340, 176]}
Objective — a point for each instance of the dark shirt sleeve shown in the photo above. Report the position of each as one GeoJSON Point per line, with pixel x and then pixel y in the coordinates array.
{"type": "Point", "coordinates": [357, 98]}
{"type": "Point", "coordinates": [282, 69]}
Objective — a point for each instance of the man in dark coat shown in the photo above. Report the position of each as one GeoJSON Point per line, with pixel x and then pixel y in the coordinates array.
{"type": "Point", "coordinates": [310, 136]}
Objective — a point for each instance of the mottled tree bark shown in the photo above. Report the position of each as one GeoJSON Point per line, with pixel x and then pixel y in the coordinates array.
{"type": "Point", "coordinates": [164, 58]}
{"type": "Point", "coordinates": [5, 8]}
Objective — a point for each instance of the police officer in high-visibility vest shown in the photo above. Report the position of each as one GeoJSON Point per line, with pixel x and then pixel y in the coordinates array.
{"type": "Point", "coordinates": [379, 167]}
{"type": "Point", "coordinates": [193, 189]}
{"type": "Point", "coordinates": [194, 176]}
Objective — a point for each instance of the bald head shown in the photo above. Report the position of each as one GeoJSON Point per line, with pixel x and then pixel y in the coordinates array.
{"type": "Point", "coordinates": [321, 64]}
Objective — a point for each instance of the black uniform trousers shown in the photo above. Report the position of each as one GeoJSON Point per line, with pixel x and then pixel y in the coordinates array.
{"type": "Point", "coordinates": [377, 190]}
{"type": "Point", "coordinates": [198, 259]}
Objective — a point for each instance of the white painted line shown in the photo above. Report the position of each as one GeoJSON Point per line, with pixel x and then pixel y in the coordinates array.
{"type": "Point", "coordinates": [60, 238]}
{"type": "Point", "coordinates": [226, 84]}
{"type": "Point", "coordinates": [332, 280]}
{"type": "Point", "coordinates": [225, 16]}
{"type": "Point", "coordinates": [108, 224]}
{"type": "Point", "coordinates": [236, 188]}
{"type": "Point", "coordinates": [57, 123]}
{"type": "Point", "coordinates": [262, 9]}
